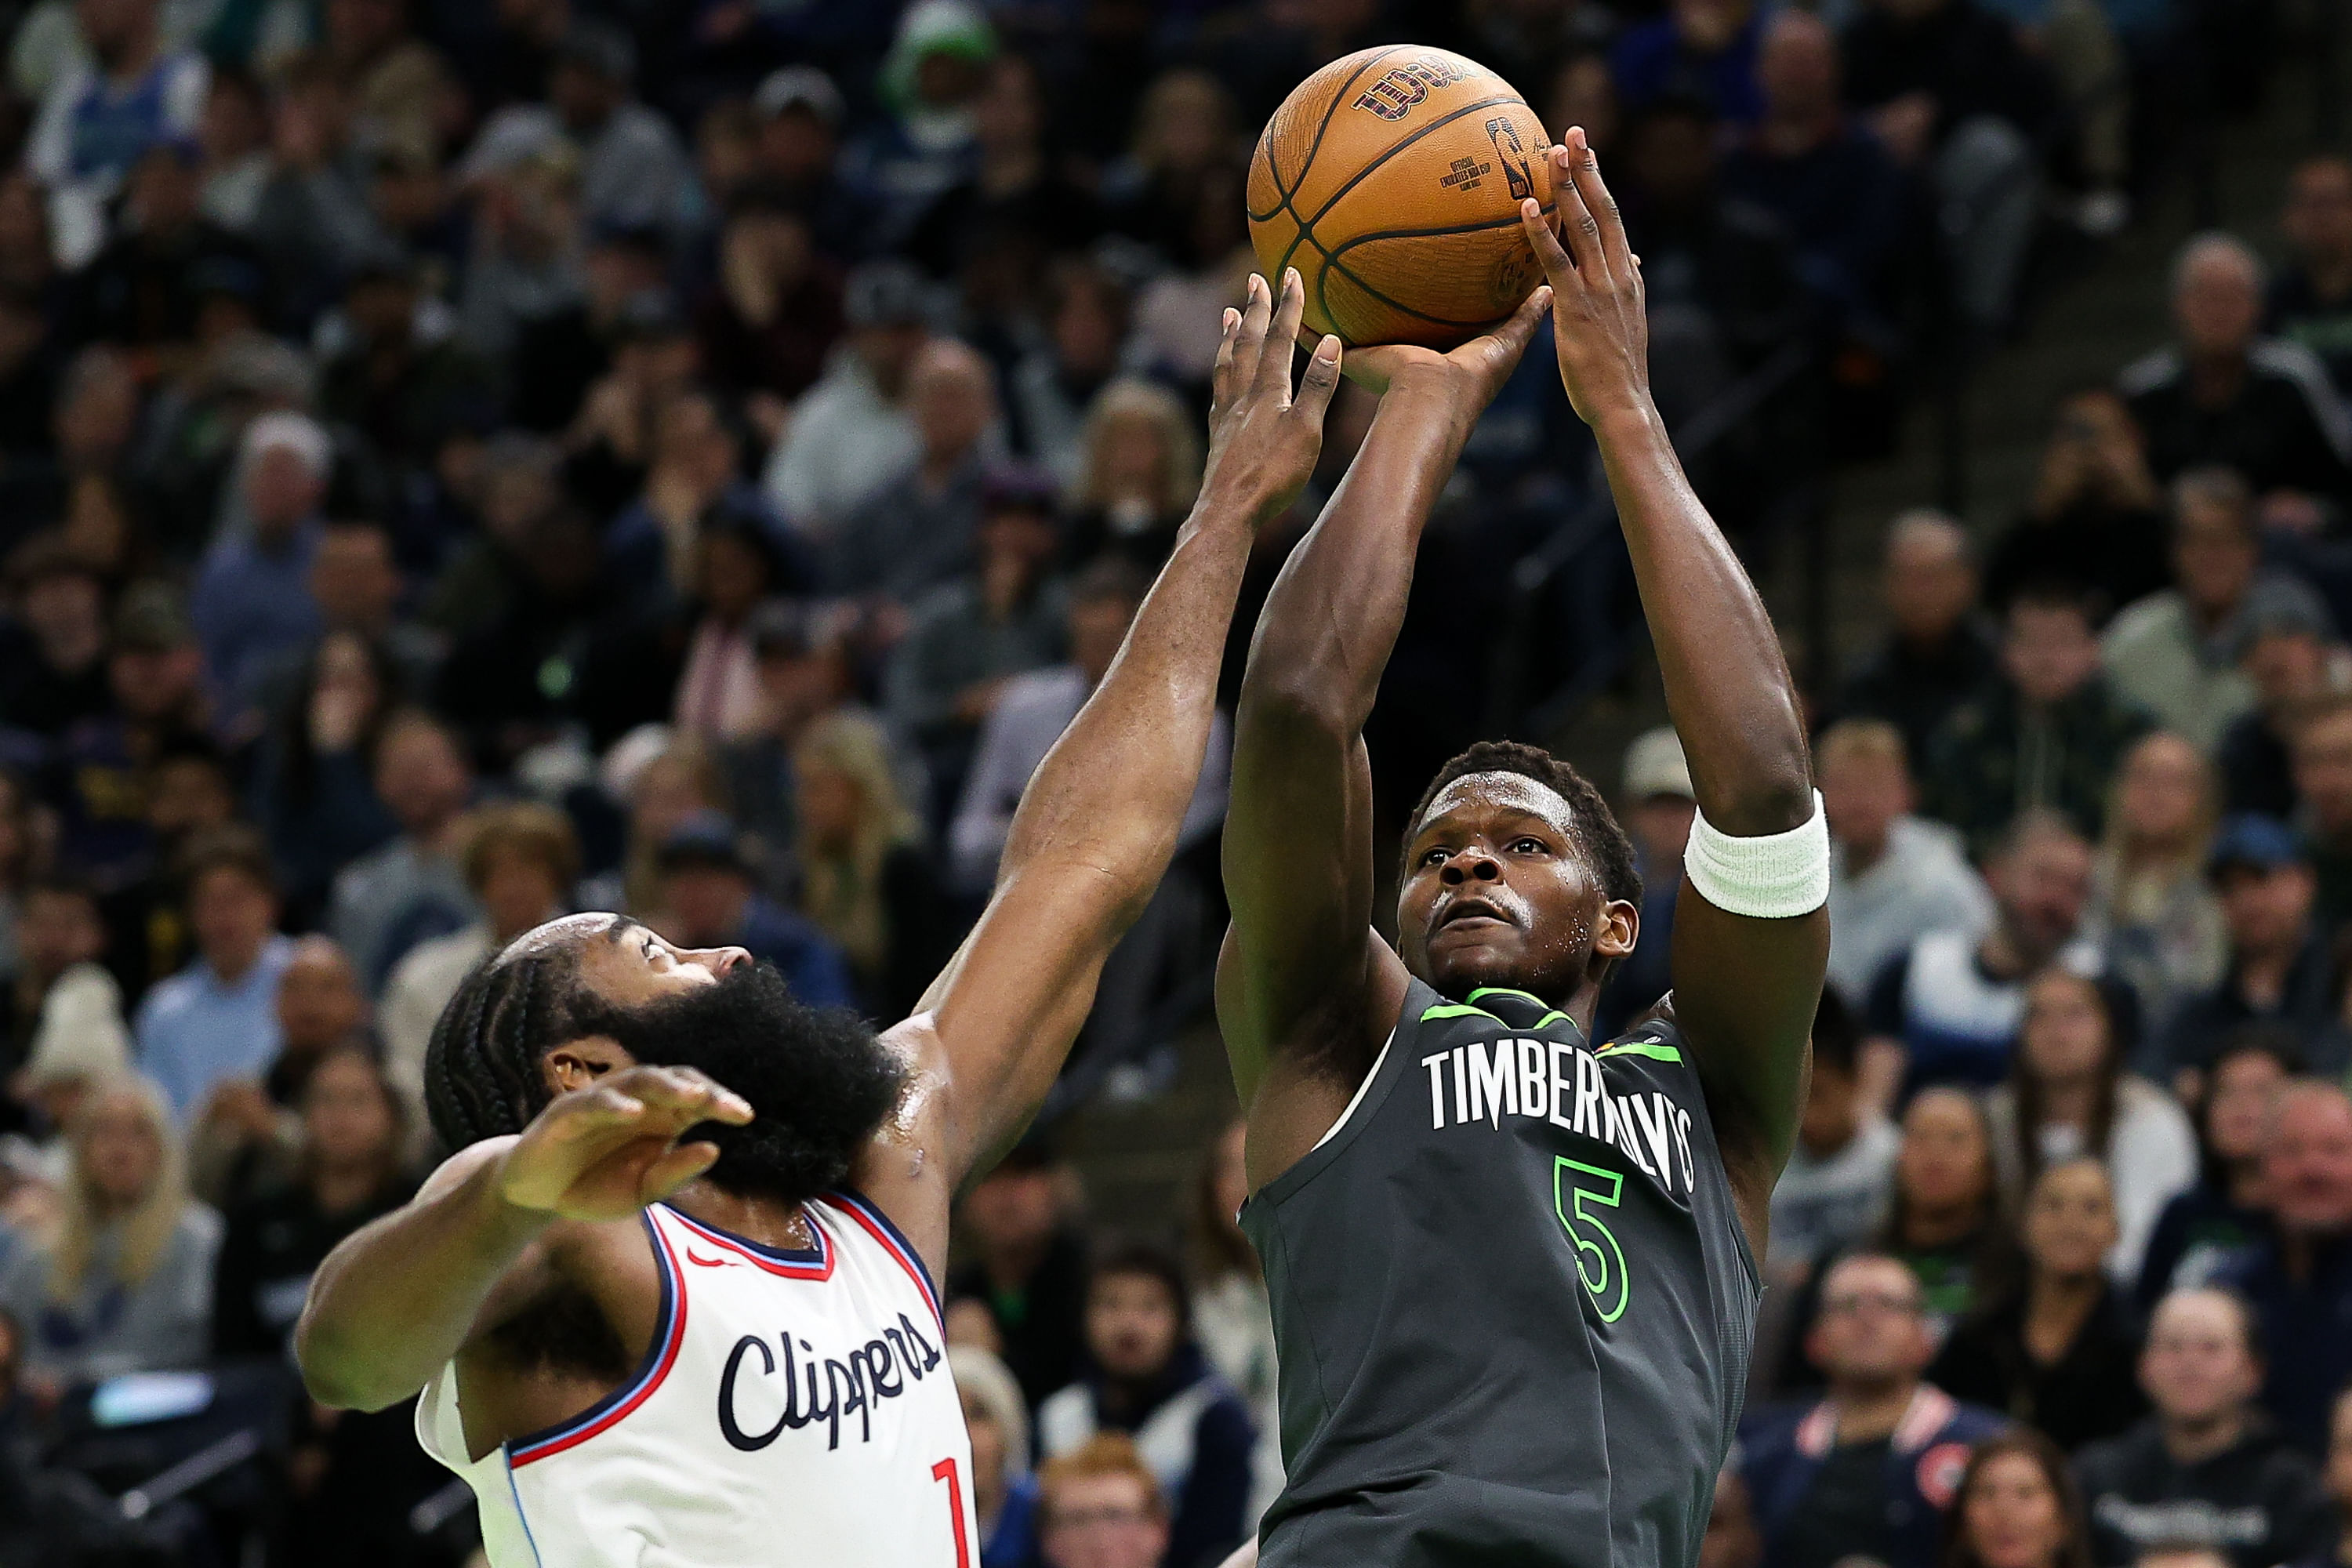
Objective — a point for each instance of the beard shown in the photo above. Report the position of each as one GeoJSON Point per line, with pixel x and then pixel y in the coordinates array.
{"type": "Point", "coordinates": [818, 1079]}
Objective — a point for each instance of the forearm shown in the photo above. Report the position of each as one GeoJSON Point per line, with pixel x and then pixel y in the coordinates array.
{"type": "Point", "coordinates": [1726, 681]}
{"type": "Point", "coordinates": [397, 1299]}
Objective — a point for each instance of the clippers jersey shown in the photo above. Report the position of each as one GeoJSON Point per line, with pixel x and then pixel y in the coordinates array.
{"type": "Point", "coordinates": [1512, 1302]}
{"type": "Point", "coordinates": [793, 1407]}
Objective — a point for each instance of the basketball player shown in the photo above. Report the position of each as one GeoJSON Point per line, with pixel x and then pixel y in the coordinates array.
{"type": "Point", "coordinates": [1512, 1268]}
{"type": "Point", "coordinates": [727, 1351]}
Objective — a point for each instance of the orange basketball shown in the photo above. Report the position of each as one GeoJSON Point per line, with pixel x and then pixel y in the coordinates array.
{"type": "Point", "coordinates": [1391, 180]}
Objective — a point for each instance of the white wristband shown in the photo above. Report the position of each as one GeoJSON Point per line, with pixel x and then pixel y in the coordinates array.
{"type": "Point", "coordinates": [1775, 877]}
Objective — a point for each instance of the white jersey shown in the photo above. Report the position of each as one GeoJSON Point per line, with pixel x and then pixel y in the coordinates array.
{"type": "Point", "coordinates": [793, 1407]}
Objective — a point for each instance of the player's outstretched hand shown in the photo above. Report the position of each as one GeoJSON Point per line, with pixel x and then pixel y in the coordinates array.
{"type": "Point", "coordinates": [1472, 373]}
{"type": "Point", "coordinates": [1599, 322]}
{"type": "Point", "coordinates": [1262, 441]}
{"type": "Point", "coordinates": [607, 1151]}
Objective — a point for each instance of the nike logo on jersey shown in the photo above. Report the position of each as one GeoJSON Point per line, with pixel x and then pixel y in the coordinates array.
{"type": "Point", "coordinates": [1554, 1081]}
{"type": "Point", "coordinates": [701, 1262]}
{"type": "Point", "coordinates": [815, 1387]}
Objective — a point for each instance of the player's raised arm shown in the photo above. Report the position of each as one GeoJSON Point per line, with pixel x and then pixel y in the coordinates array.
{"type": "Point", "coordinates": [1099, 823]}
{"type": "Point", "coordinates": [1744, 988]}
{"type": "Point", "coordinates": [1297, 848]}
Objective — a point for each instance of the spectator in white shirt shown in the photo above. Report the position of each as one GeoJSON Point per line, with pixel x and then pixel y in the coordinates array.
{"type": "Point", "coordinates": [853, 433]}
{"type": "Point", "coordinates": [1893, 877]}
{"type": "Point", "coordinates": [100, 117]}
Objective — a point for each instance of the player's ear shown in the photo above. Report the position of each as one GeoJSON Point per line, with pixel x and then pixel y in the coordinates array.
{"type": "Point", "coordinates": [1619, 927]}
{"type": "Point", "coordinates": [576, 1064]}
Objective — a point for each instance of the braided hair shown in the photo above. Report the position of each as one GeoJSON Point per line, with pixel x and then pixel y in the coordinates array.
{"type": "Point", "coordinates": [482, 1067]}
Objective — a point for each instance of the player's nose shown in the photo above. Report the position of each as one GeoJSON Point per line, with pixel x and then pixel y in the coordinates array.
{"type": "Point", "coordinates": [1469, 865]}
{"type": "Point", "coordinates": [719, 960]}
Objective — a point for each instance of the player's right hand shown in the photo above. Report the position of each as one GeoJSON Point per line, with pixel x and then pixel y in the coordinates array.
{"type": "Point", "coordinates": [1262, 441]}
{"type": "Point", "coordinates": [608, 1149]}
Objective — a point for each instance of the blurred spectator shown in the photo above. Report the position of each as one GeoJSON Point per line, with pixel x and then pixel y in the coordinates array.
{"type": "Point", "coordinates": [2292, 663]}
{"type": "Point", "coordinates": [1185, 141]}
{"type": "Point", "coordinates": [146, 288]}
{"type": "Point", "coordinates": [2048, 733]}
{"type": "Point", "coordinates": [710, 898]}
{"type": "Point", "coordinates": [2205, 1468]}
{"type": "Point", "coordinates": [2225, 396]}
{"type": "Point", "coordinates": [2309, 302]}
{"type": "Point", "coordinates": [693, 483]}
{"type": "Point", "coordinates": [1949, 92]}
{"type": "Point", "coordinates": [2336, 1476]}
{"type": "Point", "coordinates": [100, 115]}
{"type": "Point", "coordinates": [1004, 1489]}
{"type": "Point", "coordinates": [2321, 746]}
{"type": "Point", "coordinates": [60, 928]}
{"type": "Point", "coordinates": [1935, 655]}
{"type": "Point", "coordinates": [2279, 968]}
{"type": "Point", "coordinates": [217, 1018]}
{"type": "Point", "coordinates": [1867, 1470]}
{"type": "Point", "coordinates": [1056, 382]}
{"type": "Point", "coordinates": [409, 889]}
{"type": "Point", "coordinates": [568, 345]}
{"type": "Point", "coordinates": [2056, 1355]}
{"type": "Point", "coordinates": [916, 531]}
{"type": "Point", "coordinates": [56, 653]}
{"type": "Point", "coordinates": [2069, 1098]}
{"type": "Point", "coordinates": [519, 861]}
{"type": "Point", "coordinates": [1230, 1313]}
{"type": "Point", "coordinates": [1946, 1009]}
{"type": "Point", "coordinates": [1178, 314]}
{"type": "Point", "coordinates": [1893, 877]}
{"type": "Point", "coordinates": [2204, 1231]}
{"type": "Point", "coordinates": [1657, 804]}
{"type": "Point", "coordinates": [252, 595]}
{"type": "Point", "coordinates": [866, 875]}
{"type": "Point", "coordinates": [234, 133]}
{"type": "Point", "coordinates": [1946, 1222]}
{"type": "Point", "coordinates": [930, 81]}
{"type": "Point", "coordinates": [1099, 1506]}
{"type": "Point", "coordinates": [314, 796]}
{"type": "Point", "coordinates": [1704, 49]}
{"type": "Point", "coordinates": [1014, 181]}
{"type": "Point", "coordinates": [1732, 1539]}
{"type": "Point", "coordinates": [2151, 898]}
{"type": "Point", "coordinates": [2299, 1279]}
{"type": "Point", "coordinates": [969, 637]}
{"type": "Point", "coordinates": [1028, 1264]}
{"type": "Point", "coordinates": [679, 778]}
{"type": "Point", "coordinates": [1138, 474]}
{"type": "Point", "coordinates": [400, 378]}
{"type": "Point", "coordinates": [736, 563]}
{"type": "Point", "coordinates": [1834, 1191]}
{"type": "Point", "coordinates": [80, 1041]}
{"type": "Point", "coordinates": [1147, 1377]}
{"type": "Point", "coordinates": [633, 170]}
{"type": "Point", "coordinates": [774, 309]}
{"type": "Point", "coordinates": [126, 1285]}
{"type": "Point", "coordinates": [312, 219]}
{"type": "Point", "coordinates": [2176, 653]}
{"type": "Point", "coordinates": [246, 1136]}
{"type": "Point", "coordinates": [855, 430]}
{"type": "Point", "coordinates": [800, 116]}
{"type": "Point", "coordinates": [2017, 1506]}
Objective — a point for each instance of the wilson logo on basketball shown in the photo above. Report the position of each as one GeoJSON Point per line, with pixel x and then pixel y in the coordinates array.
{"type": "Point", "coordinates": [1400, 86]}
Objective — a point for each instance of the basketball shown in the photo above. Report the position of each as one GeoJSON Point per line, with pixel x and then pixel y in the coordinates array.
{"type": "Point", "coordinates": [1391, 179]}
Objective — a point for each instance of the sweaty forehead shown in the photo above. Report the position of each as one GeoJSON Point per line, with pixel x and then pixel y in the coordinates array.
{"type": "Point", "coordinates": [1475, 794]}
{"type": "Point", "coordinates": [569, 931]}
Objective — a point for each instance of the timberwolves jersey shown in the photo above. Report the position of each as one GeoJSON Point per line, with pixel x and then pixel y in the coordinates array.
{"type": "Point", "coordinates": [1512, 1299]}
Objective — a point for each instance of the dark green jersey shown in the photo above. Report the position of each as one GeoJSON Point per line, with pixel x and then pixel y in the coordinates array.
{"type": "Point", "coordinates": [1512, 1302]}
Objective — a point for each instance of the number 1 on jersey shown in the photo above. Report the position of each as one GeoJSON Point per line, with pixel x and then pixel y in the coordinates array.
{"type": "Point", "coordinates": [1577, 1189]}
{"type": "Point", "coordinates": [945, 1470]}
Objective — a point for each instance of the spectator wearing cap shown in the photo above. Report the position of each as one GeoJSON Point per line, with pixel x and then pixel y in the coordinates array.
{"type": "Point", "coordinates": [410, 889]}
{"type": "Point", "coordinates": [2176, 652]}
{"type": "Point", "coordinates": [771, 315]}
{"type": "Point", "coordinates": [1657, 805]}
{"type": "Point", "coordinates": [2224, 394]}
{"type": "Point", "coordinates": [931, 79]}
{"type": "Point", "coordinates": [969, 637]}
{"type": "Point", "coordinates": [2279, 969]}
{"type": "Point", "coordinates": [800, 114]}
{"type": "Point", "coordinates": [143, 290]}
{"type": "Point", "coordinates": [2299, 1279]}
{"type": "Point", "coordinates": [915, 532]}
{"type": "Point", "coordinates": [711, 898]}
{"type": "Point", "coordinates": [246, 1135]}
{"type": "Point", "coordinates": [101, 115]}
{"type": "Point", "coordinates": [59, 927]}
{"type": "Point", "coordinates": [2290, 664]}
{"type": "Point", "coordinates": [217, 1018]}
{"type": "Point", "coordinates": [53, 654]}
{"type": "Point", "coordinates": [633, 170]}
{"type": "Point", "coordinates": [1935, 655]}
{"type": "Point", "coordinates": [252, 597]}
{"type": "Point", "coordinates": [1894, 876]}
{"type": "Point", "coordinates": [855, 431]}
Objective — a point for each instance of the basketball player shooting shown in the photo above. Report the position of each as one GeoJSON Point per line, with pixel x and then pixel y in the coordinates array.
{"type": "Point", "coordinates": [671, 1303]}
{"type": "Point", "coordinates": [1512, 1268]}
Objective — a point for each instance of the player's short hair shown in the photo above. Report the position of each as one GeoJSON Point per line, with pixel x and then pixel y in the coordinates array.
{"type": "Point", "coordinates": [1590, 822]}
{"type": "Point", "coordinates": [1104, 1454]}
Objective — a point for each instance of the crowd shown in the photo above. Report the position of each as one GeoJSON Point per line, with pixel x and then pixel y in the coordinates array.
{"type": "Point", "coordinates": [463, 463]}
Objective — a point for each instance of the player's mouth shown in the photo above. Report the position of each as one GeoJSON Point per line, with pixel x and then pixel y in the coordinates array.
{"type": "Point", "coordinates": [1472, 912]}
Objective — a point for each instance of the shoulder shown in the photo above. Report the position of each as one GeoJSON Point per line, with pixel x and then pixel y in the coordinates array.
{"type": "Point", "coordinates": [198, 1230]}
{"type": "Point", "coordinates": [167, 999]}
{"type": "Point", "coordinates": [2161, 615]}
{"type": "Point", "coordinates": [2150, 374]}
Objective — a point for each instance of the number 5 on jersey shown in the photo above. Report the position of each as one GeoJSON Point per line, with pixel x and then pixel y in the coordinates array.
{"type": "Point", "coordinates": [1579, 1189]}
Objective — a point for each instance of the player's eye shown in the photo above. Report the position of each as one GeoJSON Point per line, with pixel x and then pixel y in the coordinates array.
{"type": "Point", "coordinates": [1435, 855]}
{"type": "Point", "coordinates": [1529, 847]}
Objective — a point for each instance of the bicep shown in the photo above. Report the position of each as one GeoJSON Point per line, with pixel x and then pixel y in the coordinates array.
{"type": "Point", "coordinates": [1745, 994]}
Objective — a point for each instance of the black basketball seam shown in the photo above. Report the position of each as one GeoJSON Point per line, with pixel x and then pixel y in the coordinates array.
{"type": "Point", "coordinates": [1424, 233]}
{"type": "Point", "coordinates": [1313, 147]}
{"type": "Point", "coordinates": [1395, 148]}
{"type": "Point", "coordinates": [1333, 264]}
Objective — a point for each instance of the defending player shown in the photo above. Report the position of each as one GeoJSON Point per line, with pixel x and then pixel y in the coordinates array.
{"type": "Point", "coordinates": [1512, 1273]}
{"type": "Point", "coordinates": [728, 1352]}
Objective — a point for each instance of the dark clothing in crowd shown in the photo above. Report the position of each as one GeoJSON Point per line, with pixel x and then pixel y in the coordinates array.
{"type": "Point", "coordinates": [1965, 59]}
{"type": "Point", "coordinates": [2200, 1237]}
{"type": "Point", "coordinates": [1994, 757]}
{"type": "Point", "coordinates": [270, 1247]}
{"type": "Point", "coordinates": [2256, 768]}
{"type": "Point", "coordinates": [2115, 552]}
{"type": "Point", "coordinates": [2300, 314]}
{"type": "Point", "coordinates": [1915, 689]}
{"type": "Point", "coordinates": [2092, 1391]}
{"type": "Point", "coordinates": [1188, 1409]}
{"type": "Point", "coordinates": [2258, 1500]}
{"type": "Point", "coordinates": [2281, 429]}
{"type": "Point", "coordinates": [1043, 1319]}
{"type": "Point", "coordinates": [1818, 1502]}
{"type": "Point", "coordinates": [2306, 1004]}
{"type": "Point", "coordinates": [2302, 1296]}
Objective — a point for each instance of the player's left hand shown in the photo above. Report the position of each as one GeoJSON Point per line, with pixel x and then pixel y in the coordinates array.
{"type": "Point", "coordinates": [1474, 374]}
{"type": "Point", "coordinates": [1263, 440]}
{"type": "Point", "coordinates": [1600, 327]}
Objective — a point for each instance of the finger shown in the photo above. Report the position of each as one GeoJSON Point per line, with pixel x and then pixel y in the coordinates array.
{"type": "Point", "coordinates": [1222, 380]}
{"type": "Point", "coordinates": [1545, 242]}
{"type": "Point", "coordinates": [1583, 230]}
{"type": "Point", "coordinates": [1516, 331]}
{"type": "Point", "coordinates": [675, 1169]}
{"type": "Point", "coordinates": [1249, 340]}
{"type": "Point", "coordinates": [1274, 365]}
{"type": "Point", "coordinates": [1322, 379]}
{"type": "Point", "coordinates": [684, 1094]}
{"type": "Point", "coordinates": [1585, 165]}
{"type": "Point", "coordinates": [590, 1112]}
